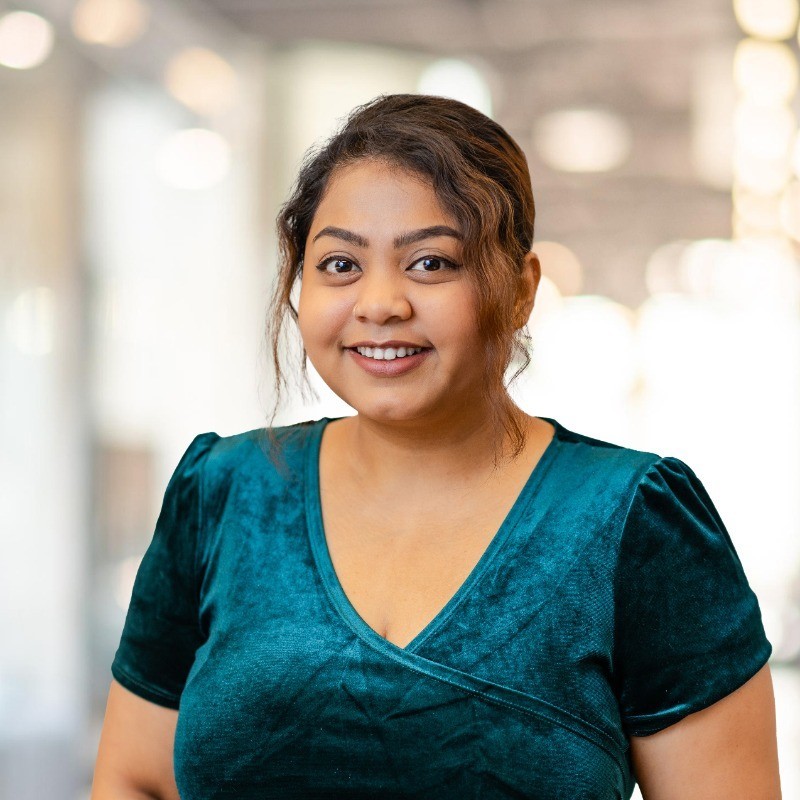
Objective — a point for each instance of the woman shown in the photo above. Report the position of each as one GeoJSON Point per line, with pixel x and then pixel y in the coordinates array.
{"type": "Point", "coordinates": [440, 596]}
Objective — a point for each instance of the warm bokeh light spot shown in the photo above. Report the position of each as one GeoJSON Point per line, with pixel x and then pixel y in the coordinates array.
{"type": "Point", "coordinates": [201, 80]}
{"type": "Point", "coordinates": [765, 71]}
{"type": "Point", "coordinates": [26, 40]}
{"type": "Point", "coordinates": [113, 23]}
{"type": "Point", "coordinates": [582, 140]}
{"type": "Point", "coordinates": [561, 266]}
{"type": "Point", "coordinates": [764, 131]}
{"type": "Point", "coordinates": [451, 77]}
{"type": "Point", "coordinates": [767, 19]}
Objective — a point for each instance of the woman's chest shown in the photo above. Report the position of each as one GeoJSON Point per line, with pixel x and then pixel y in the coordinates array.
{"type": "Point", "coordinates": [507, 686]}
{"type": "Point", "coordinates": [298, 705]}
{"type": "Point", "coordinates": [399, 565]}
{"type": "Point", "coordinates": [401, 552]}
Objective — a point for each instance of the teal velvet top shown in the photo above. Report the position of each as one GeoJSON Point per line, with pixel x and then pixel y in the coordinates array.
{"type": "Point", "coordinates": [611, 602]}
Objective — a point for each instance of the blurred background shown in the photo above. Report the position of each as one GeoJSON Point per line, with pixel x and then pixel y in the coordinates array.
{"type": "Point", "coordinates": [145, 147]}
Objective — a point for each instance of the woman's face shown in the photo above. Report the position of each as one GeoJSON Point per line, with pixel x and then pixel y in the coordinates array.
{"type": "Point", "coordinates": [382, 272]}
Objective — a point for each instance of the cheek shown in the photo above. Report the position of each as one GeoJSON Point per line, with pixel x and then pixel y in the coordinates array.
{"type": "Point", "coordinates": [321, 315]}
{"type": "Point", "coordinates": [454, 318]}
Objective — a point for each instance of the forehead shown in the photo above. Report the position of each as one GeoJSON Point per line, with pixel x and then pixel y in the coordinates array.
{"type": "Point", "coordinates": [373, 192]}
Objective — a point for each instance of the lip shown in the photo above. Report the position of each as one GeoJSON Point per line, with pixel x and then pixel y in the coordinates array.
{"type": "Point", "coordinates": [392, 343]}
{"type": "Point", "coordinates": [389, 369]}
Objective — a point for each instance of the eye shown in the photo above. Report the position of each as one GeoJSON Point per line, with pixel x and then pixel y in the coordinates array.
{"type": "Point", "coordinates": [432, 264]}
{"type": "Point", "coordinates": [336, 265]}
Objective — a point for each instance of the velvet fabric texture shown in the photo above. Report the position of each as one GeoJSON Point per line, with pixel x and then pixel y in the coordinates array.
{"type": "Point", "coordinates": [610, 603]}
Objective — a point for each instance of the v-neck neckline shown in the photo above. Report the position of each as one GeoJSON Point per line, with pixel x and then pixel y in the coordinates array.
{"type": "Point", "coordinates": [324, 563]}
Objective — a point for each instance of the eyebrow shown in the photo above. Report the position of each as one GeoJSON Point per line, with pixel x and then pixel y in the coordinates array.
{"type": "Point", "coordinates": [402, 240]}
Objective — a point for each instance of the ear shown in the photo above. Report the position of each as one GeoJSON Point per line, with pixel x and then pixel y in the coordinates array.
{"type": "Point", "coordinates": [529, 283]}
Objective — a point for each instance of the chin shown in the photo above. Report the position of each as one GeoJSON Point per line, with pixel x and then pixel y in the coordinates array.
{"type": "Point", "coordinates": [387, 412]}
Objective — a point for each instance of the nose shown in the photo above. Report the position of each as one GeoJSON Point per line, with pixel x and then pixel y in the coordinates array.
{"type": "Point", "coordinates": [381, 299]}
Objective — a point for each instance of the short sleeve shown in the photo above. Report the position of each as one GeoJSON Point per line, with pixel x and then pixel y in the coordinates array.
{"type": "Point", "coordinates": [688, 628]}
{"type": "Point", "coordinates": [161, 631]}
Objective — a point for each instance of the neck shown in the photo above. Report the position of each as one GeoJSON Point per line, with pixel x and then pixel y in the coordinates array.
{"type": "Point", "coordinates": [415, 453]}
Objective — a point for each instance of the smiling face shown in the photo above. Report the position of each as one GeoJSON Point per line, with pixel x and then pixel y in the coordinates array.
{"type": "Point", "coordinates": [382, 266]}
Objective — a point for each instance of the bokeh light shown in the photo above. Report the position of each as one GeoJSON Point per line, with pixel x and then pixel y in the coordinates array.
{"type": "Point", "coordinates": [789, 210]}
{"type": "Point", "coordinates": [765, 71]}
{"type": "Point", "coordinates": [113, 23]}
{"type": "Point", "coordinates": [26, 40]}
{"type": "Point", "coordinates": [760, 212]}
{"type": "Point", "coordinates": [549, 301]}
{"type": "Point", "coordinates": [747, 274]}
{"type": "Point", "coordinates": [594, 336]}
{"type": "Point", "coordinates": [668, 328]}
{"type": "Point", "coordinates": [194, 158]}
{"type": "Point", "coordinates": [663, 268]}
{"type": "Point", "coordinates": [561, 266]}
{"type": "Point", "coordinates": [795, 156]}
{"type": "Point", "coordinates": [450, 77]}
{"type": "Point", "coordinates": [30, 322]}
{"type": "Point", "coordinates": [201, 80]}
{"type": "Point", "coordinates": [764, 131]}
{"type": "Point", "coordinates": [582, 140]}
{"type": "Point", "coordinates": [761, 175]}
{"type": "Point", "coordinates": [768, 19]}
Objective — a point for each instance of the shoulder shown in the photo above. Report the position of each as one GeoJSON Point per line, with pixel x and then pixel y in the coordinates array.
{"type": "Point", "coordinates": [276, 454]}
{"type": "Point", "coordinates": [604, 453]}
{"type": "Point", "coordinates": [600, 470]}
{"type": "Point", "coordinates": [636, 489]}
{"type": "Point", "coordinates": [645, 485]}
{"type": "Point", "coordinates": [242, 473]}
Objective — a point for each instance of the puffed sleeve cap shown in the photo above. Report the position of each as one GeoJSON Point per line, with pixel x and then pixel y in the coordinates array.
{"type": "Point", "coordinates": [161, 631]}
{"type": "Point", "coordinates": [688, 627]}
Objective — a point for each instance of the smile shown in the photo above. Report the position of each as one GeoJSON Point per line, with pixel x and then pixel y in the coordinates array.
{"type": "Point", "coordinates": [390, 361]}
{"type": "Point", "coordinates": [388, 353]}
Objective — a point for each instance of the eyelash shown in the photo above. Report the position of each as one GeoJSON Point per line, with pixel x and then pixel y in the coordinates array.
{"type": "Point", "coordinates": [323, 265]}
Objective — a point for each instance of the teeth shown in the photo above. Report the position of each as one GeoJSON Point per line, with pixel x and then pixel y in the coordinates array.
{"type": "Point", "coordinates": [388, 353]}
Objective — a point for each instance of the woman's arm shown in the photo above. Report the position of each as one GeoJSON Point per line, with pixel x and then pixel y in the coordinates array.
{"type": "Point", "coordinates": [727, 751]}
{"type": "Point", "coordinates": [134, 758]}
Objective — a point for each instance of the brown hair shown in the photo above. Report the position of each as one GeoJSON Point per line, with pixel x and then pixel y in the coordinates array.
{"type": "Point", "coordinates": [480, 176]}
